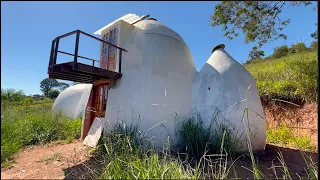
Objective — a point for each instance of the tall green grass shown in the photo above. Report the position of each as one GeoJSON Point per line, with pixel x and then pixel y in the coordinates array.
{"type": "Point", "coordinates": [24, 124]}
{"type": "Point", "coordinates": [195, 138]}
{"type": "Point", "coordinates": [292, 78]}
{"type": "Point", "coordinates": [284, 136]}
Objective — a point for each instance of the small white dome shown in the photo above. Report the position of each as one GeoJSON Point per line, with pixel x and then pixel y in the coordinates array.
{"type": "Point", "coordinates": [73, 100]}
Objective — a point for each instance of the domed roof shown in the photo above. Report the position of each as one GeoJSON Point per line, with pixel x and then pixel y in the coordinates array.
{"type": "Point", "coordinates": [155, 27]}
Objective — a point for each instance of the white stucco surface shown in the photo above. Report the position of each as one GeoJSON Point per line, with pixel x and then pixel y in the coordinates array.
{"type": "Point", "coordinates": [157, 59]}
{"type": "Point", "coordinates": [223, 82]}
{"type": "Point", "coordinates": [73, 100]}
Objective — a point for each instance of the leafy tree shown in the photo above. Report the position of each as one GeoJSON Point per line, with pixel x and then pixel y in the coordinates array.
{"type": "Point", "coordinates": [280, 51]}
{"type": "Point", "coordinates": [315, 34]}
{"type": "Point", "coordinates": [48, 84]}
{"type": "Point", "coordinates": [255, 53]}
{"type": "Point", "coordinates": [62, 86]}
{"type": "Point", "coordinates": [298, 48]}
{"type": "Point", "coordinates": [258, 20]}
{"type": "Point", "coordinates": [53, 93]}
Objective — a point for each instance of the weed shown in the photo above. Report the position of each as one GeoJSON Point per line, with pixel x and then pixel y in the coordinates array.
{"type": "Point", "coordinates": [23, 125]}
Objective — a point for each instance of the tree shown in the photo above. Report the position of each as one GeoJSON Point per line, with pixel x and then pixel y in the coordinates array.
{"type": "Point", "coordinates": [280, 51]}
{"type": "Point", "coordinates": [53, 93]}
{"type": "Point", "coordinates": [11, 94]}
{"type": "Point", "coordinates": [315, 34]}
{"type": "Point", "coordinates": [258, 20]}
{"type": "Point", "coordinates": [255, 53]}
{"type": "Point", "coordinates": [48, 84]}
{"type": "Point", "coordinates": [298, 48]}
{"type": "Point", "coordinates": [62, 86]}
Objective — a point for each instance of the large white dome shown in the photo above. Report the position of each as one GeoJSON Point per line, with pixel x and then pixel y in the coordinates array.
{"type": "Point", "coordinates": [158, 61]}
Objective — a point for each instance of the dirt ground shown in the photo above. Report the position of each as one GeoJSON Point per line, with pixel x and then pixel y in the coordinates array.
{"type": "Point", "coordinates": [46, 161]}
{"type": "Point", "coordinates": [71, 161]}
{"type": "Point", "coordinates": [303, 119]}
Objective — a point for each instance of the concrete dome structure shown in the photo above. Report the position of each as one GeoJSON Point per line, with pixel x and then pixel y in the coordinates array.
{"type": "Point", "coordinates": [158, 70]}
{"type": "Point", "coordinates": [221, 85]}
{"type": "Point", "coordinates": [73, 100]}
{"type": "Point", "coordinates": [159, 84]}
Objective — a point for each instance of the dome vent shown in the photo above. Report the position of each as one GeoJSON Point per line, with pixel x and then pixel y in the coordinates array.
{"type": "Point", "coordinates": [219, 46]}
{"type": "Point", "coordinates": [154, 19]}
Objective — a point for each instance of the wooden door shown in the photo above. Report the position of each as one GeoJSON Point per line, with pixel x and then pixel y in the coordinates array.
{"type": "Point", "coordinates": [96, 107]}
{"type": "Point", "coordinates": [109, 53]}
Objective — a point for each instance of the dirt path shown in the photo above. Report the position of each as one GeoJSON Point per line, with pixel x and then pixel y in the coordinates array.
{"type": "Point", "coordinates": [46, 161]}
{"type": "Point", "coordinates": [72, 161]}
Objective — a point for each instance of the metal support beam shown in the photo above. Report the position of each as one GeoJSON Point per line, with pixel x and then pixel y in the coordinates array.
{"type": "Point", "coordinates": [56, 51]}
{"type": "Point", "coordinates": [76, 50]}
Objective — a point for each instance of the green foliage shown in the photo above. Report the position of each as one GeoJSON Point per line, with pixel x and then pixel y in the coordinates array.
{"type": "Point", "coordinates": [255, 53]}
{"type": "Point", "coordinates": [11, 95]}
{"type": "Point", "coordinates": [53, 93]}
{"type": "Point", "coordinates": [315, 34]}
{"type": "Point", "coordinates": [289, 78]}
{"type": "Point", "coordinates": [48, 84]}
{"type": "Point", "coordinates": [127, 157]}
{"type": "Point", "coordinates": [62, 86]}
{"type": "Point", "coordinates": [33, 124]}
{"type": "Point", "coordinates": [27, 101]}
{"type": "Point", "coordinates": [314, 45]}
{"type": "Point", "coordinates": [284, 136]}
{"type": "Point", "coordinates": [298, 48]}
{"type": "Point", "coordinates": [258, 20]}
{"type": "Point", "coordinates": [280, 51]}
{"type": "Point", "coordinates": [195, 139]}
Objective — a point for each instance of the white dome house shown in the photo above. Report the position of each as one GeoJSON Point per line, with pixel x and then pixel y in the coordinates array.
{"type": "Point", "coordinates": [147, 77]}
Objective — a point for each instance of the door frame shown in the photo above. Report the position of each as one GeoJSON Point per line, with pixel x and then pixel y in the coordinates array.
{"type": "Point", "coordinates": [90, 110]}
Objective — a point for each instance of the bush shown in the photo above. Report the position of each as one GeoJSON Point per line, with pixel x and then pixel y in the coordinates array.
{"type": "Point", "coordinates": [314, 45]}
{"type": "Point", "coordinates": [53, 94]}
{"type": "Point", "coordinates": [298, 48]}
{"type": "Point", "coordinates": [11, 95]}
{"type": "Point", "coordinates": [280, 51]}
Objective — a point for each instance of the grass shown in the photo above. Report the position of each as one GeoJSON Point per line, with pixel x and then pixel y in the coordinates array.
{"type": "Point", "coordinates": [291, 78]}
{"type": "Point", "coordinates": [195, 139]}
{"type": "Point", "coordinates": [32, 124]}
{"type": "Point", "coordinates": [283, 136]}
{"type": "Point", "coordinates": [127, 154]}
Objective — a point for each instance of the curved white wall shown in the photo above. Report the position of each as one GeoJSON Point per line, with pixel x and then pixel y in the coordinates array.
{"type": "Point", "coordinates": [73, 100]}
{"type": "Point", "coordinates": [157, 59]}
{"type": "Point", "coordinates": [221, 83]}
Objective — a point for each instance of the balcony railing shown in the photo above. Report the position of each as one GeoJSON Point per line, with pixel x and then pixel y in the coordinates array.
{"type": "Point", "coordinates": [91, 71]}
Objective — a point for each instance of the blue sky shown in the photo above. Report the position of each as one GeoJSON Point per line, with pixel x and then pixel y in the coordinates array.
{"type": "Point", "coordinates": [28, 28]}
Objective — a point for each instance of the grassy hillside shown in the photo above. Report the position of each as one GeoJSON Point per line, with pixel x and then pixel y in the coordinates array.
{"type": "Point", "coordinates": [292, 78]}
{"type": "Point", "coordinates": [31, 122]}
